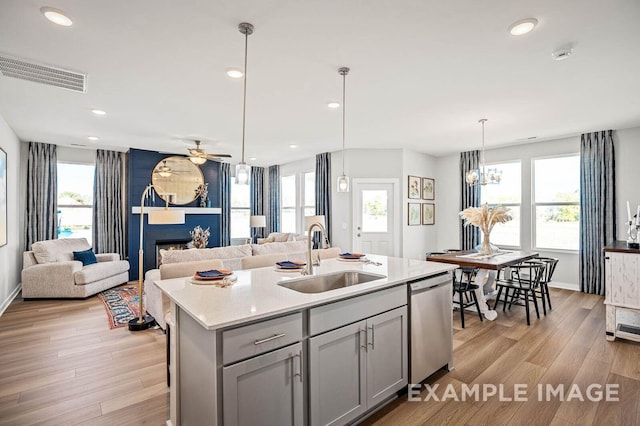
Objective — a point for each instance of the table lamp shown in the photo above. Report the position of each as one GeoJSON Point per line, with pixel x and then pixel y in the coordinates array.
{"type": "Point", "coordinates": [156, 217]}
{"type": "Point", "coordinates": [257, 222]}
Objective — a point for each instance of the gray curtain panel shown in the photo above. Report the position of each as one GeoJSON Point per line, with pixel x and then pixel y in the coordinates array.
{"type": "Point", "coordinates": [597, 207]}
{"type": "Point", "coordinates": [41, 222]}
{"type": "Point", "coordinates": [108, 226]}
{"type": "Point", "coordinates": [469, 197]}
{"type": "Point", "coordinates": [323, 192]}
{"type": "Point", "coordinates": [257, 198]}
{"type": "Point", "coordinates": [225, 204]}
{"type": "Point", "coordinates": [273, 218]}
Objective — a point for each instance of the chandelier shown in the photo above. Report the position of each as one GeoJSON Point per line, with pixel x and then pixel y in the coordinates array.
{"type": "Point", "coordinates": [483, 175]}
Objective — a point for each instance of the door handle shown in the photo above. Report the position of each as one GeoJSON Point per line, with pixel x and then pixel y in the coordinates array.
{"type": "Point", "coordinates": [358, 234]}
{"type": "Point", "coordinates": [299, 374]}
{"type": "Point", "coordinates": [366, 339]}
{"type": "Point", "coordinates": [268, 339]}
{"type": "Point", "coordinates": [373, 336]}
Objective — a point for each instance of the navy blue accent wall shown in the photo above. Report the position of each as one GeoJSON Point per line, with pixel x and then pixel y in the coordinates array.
{"type": "Point", "coordinates": [141, 165]}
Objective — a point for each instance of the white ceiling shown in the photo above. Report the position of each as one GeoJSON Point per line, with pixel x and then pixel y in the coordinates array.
{"type": "Point", "coordinates": [422, 73]}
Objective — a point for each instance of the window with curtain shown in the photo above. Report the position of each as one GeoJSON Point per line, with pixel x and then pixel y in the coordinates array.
{"type": "Point", "coordinates": [297, 200]}
{"type": "Point", "coordinates": [556, 202]}
{"type": "Point", "coordinates": [75, 200]}
{"type": "Point", "coordinates": [507, 193]}
{"type": "Point", "coordinates": [240, 213]}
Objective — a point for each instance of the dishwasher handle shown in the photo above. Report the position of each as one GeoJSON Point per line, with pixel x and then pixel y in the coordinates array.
{"type": "Point", "coordinates": [431, 282]}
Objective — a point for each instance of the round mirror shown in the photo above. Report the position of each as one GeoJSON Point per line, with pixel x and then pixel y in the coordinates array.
{"type": "Point", "coordinates": [175, 180]}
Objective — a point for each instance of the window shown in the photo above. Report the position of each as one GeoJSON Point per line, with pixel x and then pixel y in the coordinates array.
{"type": "Point", "coordinates": [288, 204]}
{"type": "Point", "coordinates": [557, 202]}
{"type": "Point", "coordinates": [508, 194]}
{"type": "Point", "coordinates": [240, 210]}
{"type": "Point", "coordinates": [298, 199]}
{"type": "Point", "coordinates": [75, 200]}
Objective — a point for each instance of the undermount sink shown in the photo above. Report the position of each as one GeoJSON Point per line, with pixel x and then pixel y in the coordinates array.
{"type": "Point", "coordinates": [336, 280]}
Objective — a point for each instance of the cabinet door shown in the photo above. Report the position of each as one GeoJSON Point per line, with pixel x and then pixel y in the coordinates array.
{"type": "Point", "coordinates": [265, 390]}
{"type": "Point", "coordinates": [621, 277]}
{"type": "Point", "coordinates": [386, 355]}
{"type": "Point", "coordinates": [337, 391]}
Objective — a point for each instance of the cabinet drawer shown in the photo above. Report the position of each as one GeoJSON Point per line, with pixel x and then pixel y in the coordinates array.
{"type": "Point", "coordinates": [254, 339]}
{"type": "Point", "coordinates": [334, 315]}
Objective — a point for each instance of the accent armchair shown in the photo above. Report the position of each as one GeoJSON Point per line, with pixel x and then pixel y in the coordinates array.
{"type": "Point", "coordinates": [49, 271]}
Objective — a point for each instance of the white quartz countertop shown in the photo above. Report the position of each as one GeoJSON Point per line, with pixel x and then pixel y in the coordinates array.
{"type": "Point", "coordinates": [256, 294]}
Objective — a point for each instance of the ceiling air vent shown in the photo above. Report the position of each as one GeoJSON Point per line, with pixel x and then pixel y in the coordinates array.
{"type": "Point", "coordinates": [44, 74]}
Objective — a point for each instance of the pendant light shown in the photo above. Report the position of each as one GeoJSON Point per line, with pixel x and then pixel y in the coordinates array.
{"type": "Point", "coordinates": [343, 180]}
{"type": "Point", "coordinates": [483, 176]}
{"type": "Point", "coordinates": [242, 168]}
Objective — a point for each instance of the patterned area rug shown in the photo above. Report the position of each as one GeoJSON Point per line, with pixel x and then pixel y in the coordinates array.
{"type": "Point", "coordinates": [121, 304]}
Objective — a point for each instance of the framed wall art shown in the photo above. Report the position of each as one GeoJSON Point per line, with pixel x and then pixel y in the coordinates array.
{"type": "Point", "coordinates": [414, 187]}
{"type": "Point", "coordinates": [428, 214]}
{"type": "Point", "coordinates": [414, 214]}
{"type": "Point", "coordinates": [428, 189]}
{"type": "Point", "coordinates": [3, 197]}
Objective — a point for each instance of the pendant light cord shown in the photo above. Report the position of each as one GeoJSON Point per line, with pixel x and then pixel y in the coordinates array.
{"type": "Point", "coordinates": [244, 94]}
{"type": "Point", "coordinates": [344, 85]}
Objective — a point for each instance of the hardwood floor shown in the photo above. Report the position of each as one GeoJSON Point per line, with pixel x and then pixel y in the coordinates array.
{"type": "Point", "coordinates": [60, 364]}
{"type": "Point", "coordinates": [566, 347]}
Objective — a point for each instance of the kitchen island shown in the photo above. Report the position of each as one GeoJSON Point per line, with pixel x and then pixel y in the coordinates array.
{"type": "Point", "coordinates": [258, 351]}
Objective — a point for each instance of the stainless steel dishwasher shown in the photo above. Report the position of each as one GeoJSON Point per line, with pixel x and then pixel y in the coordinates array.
{"type": "Point", "coordinates": [430, 321]}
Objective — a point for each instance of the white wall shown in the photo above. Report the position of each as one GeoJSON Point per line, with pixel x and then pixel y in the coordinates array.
{"type": "Point", "coordinates": [11, 254]}
{"type": "Point", "coordinates": [449, 171]}
{"type": "Point", "coordinates": [627, 147]}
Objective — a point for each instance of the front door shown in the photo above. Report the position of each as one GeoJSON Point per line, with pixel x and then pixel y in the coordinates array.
{"type": "Point", "coordinates": [373, 219]}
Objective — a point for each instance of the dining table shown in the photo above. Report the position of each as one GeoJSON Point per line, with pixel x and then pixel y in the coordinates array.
{"type": "Point", "coordinates": [488, 266]}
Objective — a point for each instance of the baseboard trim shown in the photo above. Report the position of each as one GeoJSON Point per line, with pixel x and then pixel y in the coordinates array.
{"type": "Point", "coordinates": [564, 286]}
{"type": "Point", "coordinates": [12, 296]}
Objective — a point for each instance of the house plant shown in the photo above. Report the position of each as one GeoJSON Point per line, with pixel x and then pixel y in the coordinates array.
{"type": "Point", "coordinates": [200, 237]}
{"type": "Point", "coordinates": [485, 218]}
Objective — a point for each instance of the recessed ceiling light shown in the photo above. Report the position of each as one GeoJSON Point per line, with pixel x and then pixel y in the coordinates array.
{"type": "Point", "coordinates": [252, 158]}
{"type": "Point", "coordinates": [56, 16]}
{"type": "Point", "coordinates": [293, 146]}
{"type": "Point", "coordinates": [234, 72]}
{"type": "Point", "coordinates": [523, 26]}
{"type": "Point", "coordinates": [93, 138]}
{"type": "Point", "coordinates": [98, 112]}
{"type": "Point", "coordinates": [333, 105]}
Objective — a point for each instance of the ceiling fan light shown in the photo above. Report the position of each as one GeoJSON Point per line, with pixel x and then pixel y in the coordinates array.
{"type": "Point", "coordinates": [242, 174]}
{"type": "Point", "coordinates": [197, 160]}
{"type": "Point", "coordinates": [164, 174]}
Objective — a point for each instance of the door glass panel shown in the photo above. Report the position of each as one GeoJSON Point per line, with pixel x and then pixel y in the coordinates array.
{"type": "Point", "coordinates": [374, 211]}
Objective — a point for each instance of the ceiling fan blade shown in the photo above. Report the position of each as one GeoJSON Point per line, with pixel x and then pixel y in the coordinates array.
{"type": "Point", "coordinates": [214, 156]}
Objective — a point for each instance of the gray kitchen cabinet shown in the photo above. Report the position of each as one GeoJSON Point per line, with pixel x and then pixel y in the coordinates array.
{"type": "Point", "coordinates": [386, 355]}
{"type": "Point", "coordinates": [355, 367]}
{"type": "Point", "coordinates": [266, 389]}
{"type": "Point", "coordinates": [337, 370]}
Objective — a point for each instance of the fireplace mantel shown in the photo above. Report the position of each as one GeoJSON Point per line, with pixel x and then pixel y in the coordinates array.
{"type": "Point", "coordinates": [187, 210]}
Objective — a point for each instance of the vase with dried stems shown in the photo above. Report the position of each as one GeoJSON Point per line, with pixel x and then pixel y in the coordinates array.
{"type": "Point", "coordinates": [485, 218]}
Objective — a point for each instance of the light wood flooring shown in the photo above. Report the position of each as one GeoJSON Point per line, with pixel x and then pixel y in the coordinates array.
{"type": "Point", "coordinates": [60, 364]}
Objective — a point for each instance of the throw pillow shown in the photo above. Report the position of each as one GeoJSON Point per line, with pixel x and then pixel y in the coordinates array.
{"type": "Point", "coordinates": [87, 257]}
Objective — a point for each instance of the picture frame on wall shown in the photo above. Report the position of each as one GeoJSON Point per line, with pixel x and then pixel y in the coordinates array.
{"type": "Point", "coordinates": [428, 214]}
{"type": "Point", "coordinates": [428, 189]}
{"type": "Point", "coordinates": [414, 187]}
{"type": "Point", "coordinates": [3, 197]}
{"type": "Point", "coordinates": [413, 214]}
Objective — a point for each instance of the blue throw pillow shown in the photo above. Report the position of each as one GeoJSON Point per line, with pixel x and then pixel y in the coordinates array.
{"type": "Point", "coordinates": [87, 257]}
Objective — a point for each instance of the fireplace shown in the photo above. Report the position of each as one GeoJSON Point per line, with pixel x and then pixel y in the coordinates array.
{"type": "Point", "coordinates": [169, 245]}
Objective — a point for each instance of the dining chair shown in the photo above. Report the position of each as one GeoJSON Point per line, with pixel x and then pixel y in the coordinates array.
{"type": "Point", "coordinates": [465, 289]}
{"type": "Point", "coordinates": [523, 282]}
{"type": "Point", "coordinates": [551, 263]}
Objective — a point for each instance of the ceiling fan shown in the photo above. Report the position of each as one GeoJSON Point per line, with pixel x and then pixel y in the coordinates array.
{"type": "Point", "coordinates": [199, 156]}
{"type": "Point", "coordinates": [164, 170]}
